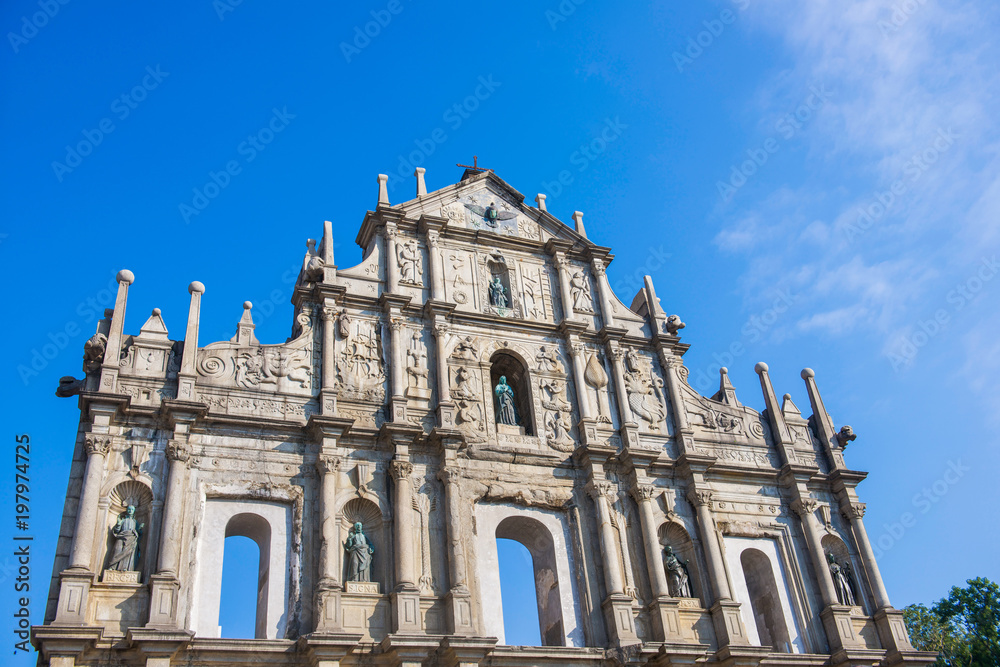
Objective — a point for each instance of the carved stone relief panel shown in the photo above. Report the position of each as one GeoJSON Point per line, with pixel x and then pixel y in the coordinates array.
{"type": "Point", "coordinates": [646, 396]}
{"type": "Point", "coordinates": [459, 277]}
{"type": "Point", "coordinates": [360, 368]}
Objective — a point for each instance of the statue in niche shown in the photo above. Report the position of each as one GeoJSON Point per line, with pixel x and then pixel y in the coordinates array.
{"type": "Point", "coordinates": [410, 265]}
{"type": "Point", "coordinates": [845, 594]}
{"type": "Point", "coordinates": [677, 575]}
{"type": "Point", "coordinates": [126, 531]}
{"type": "Point", "coordinates": [580, 287]}
{"type": "Point", "coordinates": [359, 554]}
{"type": "Point", "coordinates": [498, 293]}
{"type": "Point", "coordinates": [506, 412]}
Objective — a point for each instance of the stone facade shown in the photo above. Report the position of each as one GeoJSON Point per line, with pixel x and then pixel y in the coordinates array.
{"type": "Point", "coordinates": [381, 409]}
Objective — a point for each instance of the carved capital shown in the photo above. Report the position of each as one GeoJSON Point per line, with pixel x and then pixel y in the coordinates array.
{"type": "Point", "coordinates": [855, 511]}
{"type": "Point", "coordinates": [432, 238]}
{"type": "Point", "coordinates": [446, 476]}
{"type": "Point", "coordinates": [804, 507]}
{"type": "Point", "coordinates": [643, 492]}
{"type": "Point", "coordinates": [401, 469]}
{"type": "Point", "coordinates": [598, 490]}
{"type": "Point", "coordinates": [699, 498]}
{"type": "Point", "coordinates": [395, 324]}
{"type": "Point", "coordinates": [441, 330]}
{"type": "Point", "coordinates": [97, 444]}
{"type": "Point", "coordinates": [616, 353]}
{"type": "Point", "coordinates": [598, 267]}
{"type": "Point", "coordinates": [329, 314]}
{"type": "Point", "coordinates": [178, 451]}
{"type": "Point", "coordinates": [326, 463]}
{"type": "Point", "coordinates": [391, 231]}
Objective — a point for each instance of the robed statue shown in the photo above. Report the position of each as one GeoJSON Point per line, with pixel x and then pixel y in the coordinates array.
{"type": "Point", "coordinates": [359, 554]}
{"type": "Point", "coordinates": [677, 575]}
{"type": "Point", "coordinates": [498, 294]}
{"type": "Point", "coordinates": [126, 532]}
{"type": "Point", "coordinates": [506, 413]}
{"type": "Point", "coordinates": [845, 594]}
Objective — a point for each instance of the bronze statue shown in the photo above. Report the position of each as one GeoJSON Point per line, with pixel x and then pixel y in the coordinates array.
{"type": "Point", "coordinates": [677, 574]}
{"type": "Point", "coordinates": [359, 554]}
{"type": "Point", "coordinates": [506, 412]}
{"type": "Point", "coordinates": [126, 532]}
{"type": "Point", "coordinates": [840, 582]}
{"type": "Point", "coordinates": [498, 293]}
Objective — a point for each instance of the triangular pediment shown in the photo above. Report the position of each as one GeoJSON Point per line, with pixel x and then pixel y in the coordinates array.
{"type": "Point", "coordinates": [467, 204]}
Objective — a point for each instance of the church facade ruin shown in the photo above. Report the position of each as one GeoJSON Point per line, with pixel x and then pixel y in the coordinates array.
{"type": "Point", "coordinates": [474, 378]}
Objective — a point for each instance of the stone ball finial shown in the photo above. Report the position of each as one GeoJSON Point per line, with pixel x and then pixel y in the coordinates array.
{"type": "Point", "coordinates": [196, 287]}
{"type": "Point", "coordinates": [723, 371]}
{"type": "Point", "coordinates": [126, 276]}
{"type": "Point", "coordinates": [761, 367]}
{"type": "Point", "coordinates": [156, 312]}
{"type": "Point", "coordinates": [808, 373]}
{"type": "Point", "coordinates": [786, 397]}
{"type": "Point", "coordinates": [247, 305]}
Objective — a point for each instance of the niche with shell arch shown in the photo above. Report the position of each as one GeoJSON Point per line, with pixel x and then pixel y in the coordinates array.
{"type": "Point", "coordinates": [834, 545]}
{"type": "Point", "coordinates": [370, 516]}
{"type": "Point", "coordinates": [137, 494]}
{"type": "Point", "coordinates": [674, 535]}
{"type": "Point", "coordinates": [511, 365]}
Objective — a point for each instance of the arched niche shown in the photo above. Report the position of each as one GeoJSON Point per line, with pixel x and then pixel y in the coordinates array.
{"type": "Point", "coordinates": [537, 539]}
{"type": "Point", "coordinates": [505, 363]}
{"type": "Point", "coordinates": [269, 525]}
{"type": "Point", "coordinates": [835, 546]}
{"type": "Point", "coordinates": [138, 495]}
{"type": "Point", "coordinates": [765, 602]}
{"type": "Point", "coordinates": [370, 516]}
{"type": "Point", "coordinates": [673, 535]}
{"type": "Point", "coordinates": [256, 528]}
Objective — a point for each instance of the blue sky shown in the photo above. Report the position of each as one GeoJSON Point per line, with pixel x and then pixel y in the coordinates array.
{"type": "Point", "coordinates": [809, 184]}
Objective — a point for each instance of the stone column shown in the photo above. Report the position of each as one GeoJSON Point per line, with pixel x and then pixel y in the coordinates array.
{"type": "Point", "coordinates": [855, 513]}
{"type": "Point", "coordinates": [97, 446]}
{"type": "Point", "coordinates": [459, 599]}
{"type": "Point", "coordinates": [617, 606]}
{"type": "Point", "coordinates": [643, 494]}
{"type": "Point", "coordinates": [805, 508]}
{"type": "Point", "coordinates": [397, 363]}
{"type": "Point", "coordinates": [391, 267]}
{"type": "Point", "coordinates": [618, 369]}
{"type": "Point", "coordinates": [328, 401]}
{"type": "Point", "coordinates": [112, 351]}
{"type": "Point", "coordinates": [445, 409]}
{"type": "Point", "coordinates": [329, 555]}
{"type": "Point", "coordinates": [726, 619]}
{"type": "Point", "coordinates": [664, 610]}
{"type": "Point", "coordinates": [434, 264]}
{"type": "Point", "coordinates": [165, 585]}
{"type": "Point", "coordinates": [562, 268]}
{"type": "Point", "coordinates": [604, 291]}
{"type": "Point", "coordinates": [576, 354]}
{"type": "Point", "coordinates": [187, 376]}
{"type": "Point", "coordinates": [406, 596]}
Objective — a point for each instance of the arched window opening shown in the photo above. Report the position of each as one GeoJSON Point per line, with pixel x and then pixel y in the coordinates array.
{"type": "Point", "coordinates": [517, 593]}
{"type": "Point", "coordinates": [256, 529]}
{"type": "Point", "coordinates": [764, 601]}
{"type": "Point", "coordinates": [535, 537]}
{"type": "Point", "coordinates": [507, 369]}
{"type": "Point", "coordinates": [240, 565]}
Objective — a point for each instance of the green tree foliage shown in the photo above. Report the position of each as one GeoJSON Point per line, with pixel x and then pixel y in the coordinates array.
{"type": "Point", "coordinates": [964, 628]}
